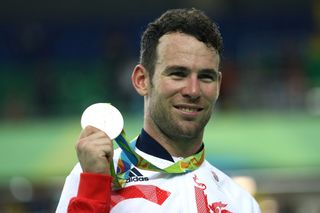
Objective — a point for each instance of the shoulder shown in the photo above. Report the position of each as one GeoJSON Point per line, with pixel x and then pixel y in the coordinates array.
{"type": "Point", "coordinates": [223, 180]}
{"type": "Point", "coordinates": [70, 188]}
{"type": "Point", "coordinates": [74, 176]}
{"type": "Point", "coordinates": [230, 188]}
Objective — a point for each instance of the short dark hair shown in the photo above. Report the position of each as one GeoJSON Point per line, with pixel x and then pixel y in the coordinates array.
{"type": "Point", "coordinates": [189, 21]}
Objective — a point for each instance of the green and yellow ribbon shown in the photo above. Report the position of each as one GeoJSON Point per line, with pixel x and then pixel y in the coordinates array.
{"type": "Point", "coordinates": [129, 158]}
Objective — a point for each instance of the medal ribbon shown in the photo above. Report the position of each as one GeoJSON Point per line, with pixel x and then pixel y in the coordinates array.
{"type": "Point", "coordinates": [129, 157]}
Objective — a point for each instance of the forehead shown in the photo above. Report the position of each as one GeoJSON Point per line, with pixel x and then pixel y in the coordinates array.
{"type": "Point", "coordinates": [185, 50]}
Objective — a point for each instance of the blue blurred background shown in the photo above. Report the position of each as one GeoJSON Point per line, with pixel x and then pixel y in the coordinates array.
{"type": "Point", "coordinates": [58, 57]}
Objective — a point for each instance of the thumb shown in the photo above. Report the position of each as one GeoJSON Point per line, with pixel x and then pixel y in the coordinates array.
{"type": "Point", "coordinates": [88, 130]}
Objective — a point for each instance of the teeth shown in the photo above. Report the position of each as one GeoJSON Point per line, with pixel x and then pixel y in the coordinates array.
{"type": "Point", "coordinates": [188, 109]}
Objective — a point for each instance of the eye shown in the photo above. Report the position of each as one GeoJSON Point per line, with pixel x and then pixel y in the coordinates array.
{"type": "Point", "coordinates": [178, 74]}
{"type": "Point", "coordinates": [208, 77]}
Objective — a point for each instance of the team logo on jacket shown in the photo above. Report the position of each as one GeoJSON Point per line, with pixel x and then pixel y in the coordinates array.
{"type": "Point", "coordinates": [136, 176]}
{"type": "Point", "coordinates": [203, 205]}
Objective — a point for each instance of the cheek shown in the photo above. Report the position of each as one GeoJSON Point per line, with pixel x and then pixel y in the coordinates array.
{"type": "Point", "coordinates": [211, 93]}
{"type": "Point", "coordinates": [168, 88]}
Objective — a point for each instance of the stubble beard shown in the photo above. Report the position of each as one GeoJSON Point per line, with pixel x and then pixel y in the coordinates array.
{"type": "Point", "coordinates": [175, 129]}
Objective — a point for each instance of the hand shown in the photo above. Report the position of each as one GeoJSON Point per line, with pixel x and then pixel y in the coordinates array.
{"type": "Point", "coordinates": [94, 150]}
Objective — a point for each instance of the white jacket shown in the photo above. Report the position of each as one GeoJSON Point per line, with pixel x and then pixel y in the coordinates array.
{"type": "Point", "coordinates": [206, 189]}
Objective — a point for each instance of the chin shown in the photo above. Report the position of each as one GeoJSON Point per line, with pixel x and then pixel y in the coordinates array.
{"type": "Point", "coordinates": [188, 134]}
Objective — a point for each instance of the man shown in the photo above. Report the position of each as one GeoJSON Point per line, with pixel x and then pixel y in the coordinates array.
{"type": "Point", "coordinates": [178, 76]}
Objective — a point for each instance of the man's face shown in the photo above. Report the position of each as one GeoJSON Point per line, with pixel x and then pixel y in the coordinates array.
{"type": "Point", "coordinates": [184, 88]}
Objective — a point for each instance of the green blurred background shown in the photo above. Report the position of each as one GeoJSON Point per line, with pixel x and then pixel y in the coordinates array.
{"type": "Point", "coordinates": [57, 58]}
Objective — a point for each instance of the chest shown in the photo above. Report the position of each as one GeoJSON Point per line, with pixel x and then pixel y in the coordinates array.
{"type": "Point", "coordinates": [197, 191]}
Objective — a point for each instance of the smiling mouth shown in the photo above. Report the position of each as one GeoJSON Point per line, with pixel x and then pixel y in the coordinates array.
{"type": "Point", "coordinates": [189, 109]}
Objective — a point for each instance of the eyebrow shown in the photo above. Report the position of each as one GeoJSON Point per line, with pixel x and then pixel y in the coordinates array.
{"type": "Point", "coordinates": [169, 69]}
{"type": "Point", "coordinates": [185, 69]}
{"type": "Point", "coordinates": [209, 71]}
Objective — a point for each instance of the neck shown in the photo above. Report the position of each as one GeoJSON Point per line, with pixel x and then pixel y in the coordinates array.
{"type": "Point", "coordinates": [176, 146]}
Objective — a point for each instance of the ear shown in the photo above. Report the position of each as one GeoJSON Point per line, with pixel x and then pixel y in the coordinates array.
{"type": "Point", "coordinates": [219, 78]}
{"type": "Point", "coordinates": [140, 80]}
{"type": "Point", "coordinates": [219, 82]}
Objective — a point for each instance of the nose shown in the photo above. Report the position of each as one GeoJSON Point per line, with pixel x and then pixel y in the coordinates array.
{"type": "Point", "coordinates": [192, 87]}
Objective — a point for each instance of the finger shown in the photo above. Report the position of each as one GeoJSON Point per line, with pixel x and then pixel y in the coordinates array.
{"type": "Point", "coordinates": [95, 139]}
{"type": "Point", "coordinates": [94, 156]}
{"type": "Point", "coordinates": [101, 142]}
{"type": "Point", "coordinates": [88, 130]}
{"type": "Point", "coordinates": [94, 142]}
{"type": "Point", "coordinates": [91, 133]}
{"type": "Point", "coordinates": [106, 151]}
{"type": "Point", "coordinates": [95, 136]}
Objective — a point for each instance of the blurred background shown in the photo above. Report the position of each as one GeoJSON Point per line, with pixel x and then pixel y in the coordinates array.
{"type": "Point", "coordinates": [58, 57]}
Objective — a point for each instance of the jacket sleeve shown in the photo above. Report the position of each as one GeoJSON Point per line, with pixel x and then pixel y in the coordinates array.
{"type": "Point", "coordinates": [93, 194]}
